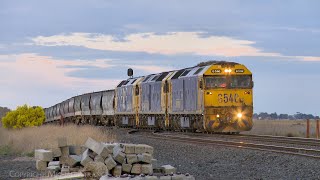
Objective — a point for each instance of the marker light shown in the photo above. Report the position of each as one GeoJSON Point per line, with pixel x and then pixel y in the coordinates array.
{"type": "Point", "coordinates": [218, 115]}
{"type": "Point", "coordinates": [227, 70]}
{"type": "Point", "coordinates": [239, 115]}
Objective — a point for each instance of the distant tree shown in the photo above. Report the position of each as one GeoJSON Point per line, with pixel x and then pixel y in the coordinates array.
{"type": "Point", "coordinates": [24, 116]}
{"type": "Point", "coordinates": [3, 112]}
{"type": "Point", "coordinates": [283, 116]}
{"type": "Point", "coordinates": [274, 115]}
{"type": "Point", "coordinates": [264, 115]}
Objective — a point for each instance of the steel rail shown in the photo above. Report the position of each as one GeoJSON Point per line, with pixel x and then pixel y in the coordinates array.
{"type": "Point", "coordinates": [313, 153]}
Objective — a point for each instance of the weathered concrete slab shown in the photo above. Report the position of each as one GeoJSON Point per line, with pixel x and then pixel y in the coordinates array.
{"type": "Point", "coordinates": [109, 162]}
{"type": "Point", "coordinates": [98, 169]}
{"type": "Point", "coordinates": [62, 142]}
{"type": "Point", "coordinates": [129, 148]}
{"type": "Point", "coordinates": [54, 163]}
{"type": "Point", "coordinates": [131, 158]}
{"type": "Point", "coordinates": [53, 168]}
{"type": "Point", "coordinates": [76, 150]}
{"type": "Point", "coordinates": [165, 177]}
{"type": "Point", "coordinates": [44, 155]}
{"type": "Point", "coordinates": [168, 169]}
{"type": "Point", "coordinates": [86, 158]}
{"type": "Point", "coordinates": [154, 163]}
{"type": "Point", "coordinates": [149, 149]}
{"type": "Point", "coordinates": [105, 150]}
{"type": "Point", "coordinates": [126, 168]}
{"type": "Point", "coordinates": [65, 151]}
{"type": "Point", "coordinates": [145, 157]}
{"type": "Point", "coordinates": [93, 145]}
{"type": "Point", "coordinates": [74, 160]}
{"type": "Point", "coordinates": [136, 169]}
{"type": "Point", "coordinates": [41, 165]}
{"type": "Point", "coordinates": [140, 148]}
{"type": "Point", "coordinates": [98, 158]}
{"type": "Point", "coordinates": [146, 169]}
{"type": "Point", "coordinates": [116, 171]}
{"type": "Point", "coordinates": [119, 156]}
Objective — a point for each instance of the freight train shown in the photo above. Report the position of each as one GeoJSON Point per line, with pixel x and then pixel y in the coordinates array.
{"type": "Point", "coordinates": [209, 98]}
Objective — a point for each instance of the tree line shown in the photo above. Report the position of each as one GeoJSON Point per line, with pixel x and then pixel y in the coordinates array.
{"type": "Point", "coordinates": [275, 116]}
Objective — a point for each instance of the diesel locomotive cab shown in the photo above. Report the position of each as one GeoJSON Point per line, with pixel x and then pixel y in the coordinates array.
{"type": "Point", "coordinates": [228, 100]}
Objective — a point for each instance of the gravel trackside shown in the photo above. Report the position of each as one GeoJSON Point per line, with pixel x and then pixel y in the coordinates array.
{"type": "Point", "coordinates": [219, 162]}
{"type": "Point", "coordinates": [204, 162]}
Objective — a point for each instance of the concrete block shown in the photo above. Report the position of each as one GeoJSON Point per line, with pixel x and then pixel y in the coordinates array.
{"type": "Point", "coordinates": [168, 169]}
{"type": "Point", "coordinates": [56, 152]}
{"type": "Point", "coordinates": [65, 151]}
{"type": "Point", "coordinates": [149, 149]}
{"type": "Point", "coordinates": [105, 150]}
{"type": "Point", "coordinates": [44, 155]}
{"type": "Point", "coordinates": [131, 158]}
{"type": "Point", "coordinates": [136, 169]}
{"type": "Point", "coordinates": [126, 168]}
{"type": "Point", "coordinates": [86, 158]}
{"type": "Point", "coordinates": [65, 169]}
{"type": "Point", "coordinates": [140, 148]}
{"type": "Point", "coordinates": [116, 171]}
{"type": "Point", "coordinates": [62, 142]}
{"type": "Point", "coordinates": [76, 150]}
{"type": "Point", "coordinates": [54, 163]}
{"type": "Point", "coordinates": [146, 169]}
{"type": "Point", "coordinates": [53, 168]}
{"type": "Point", "coordinates": [145, 157]}
{"type": "Point", "coordinates": [63, 159]}
{"type": "Point", "coordinates": [154, 163]}
{"type": "Point", "coordinates": [109, 162]}
{"type": "Point", "coordinates": [98, 158]}
{"type": "Point", "coordinates": [119, 156]}
{"type": "Point", "coordinates": [74, 160]}
{"type": "Point", "coordinates": [98, 169]}
{"type": "Point", "coordinates": [93, 145]}
{"type": "Point", "coordinates": [41, 165]}
{"type": "Point", "coordinates": [129, 148]}
{"type": "Point", "coordinates": [74, 169]}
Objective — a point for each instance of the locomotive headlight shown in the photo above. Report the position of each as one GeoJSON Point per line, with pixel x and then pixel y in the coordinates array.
{"type": "Point", "coordinates": [239, 115]}
{"type": "Point", "coordinates": [227, 70]}
{"type": "Point", "coordinates": [218, 115]}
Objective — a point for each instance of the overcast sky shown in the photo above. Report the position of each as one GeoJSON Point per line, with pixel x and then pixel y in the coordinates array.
{"type": "Point", "coordinates": [50, 51]}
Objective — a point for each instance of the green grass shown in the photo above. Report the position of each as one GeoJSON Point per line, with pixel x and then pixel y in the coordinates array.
{"type": "Point", "coordinates": [5, 150]}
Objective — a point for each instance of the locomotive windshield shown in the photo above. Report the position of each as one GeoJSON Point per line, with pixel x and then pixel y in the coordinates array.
{"type": "Point", "coordinates": [228, 82]}
{"type": "Point", "coordinates": [240, 82]}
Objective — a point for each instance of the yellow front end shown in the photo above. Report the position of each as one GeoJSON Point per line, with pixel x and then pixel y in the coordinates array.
{"type": "Point", "coordinates": [228, 98]}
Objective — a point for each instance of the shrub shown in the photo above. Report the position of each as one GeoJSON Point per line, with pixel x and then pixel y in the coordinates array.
{"type": "Point", "coordinates": [24, 116]}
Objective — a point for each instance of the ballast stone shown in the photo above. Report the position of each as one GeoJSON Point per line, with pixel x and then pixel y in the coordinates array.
{"type": "Point", "coordinates": [44, 155]}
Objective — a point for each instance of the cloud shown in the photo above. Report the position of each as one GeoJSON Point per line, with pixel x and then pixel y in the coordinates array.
{"type": "Point", "coordinates": [32, 78]}
{"type": "Point", "coordinates": [169, 43]}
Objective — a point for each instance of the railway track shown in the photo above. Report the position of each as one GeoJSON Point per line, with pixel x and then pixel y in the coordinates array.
{"type": "Point", "coordinates": [305, 152]}
{"type": "Point", "coordinates": [265, 138]}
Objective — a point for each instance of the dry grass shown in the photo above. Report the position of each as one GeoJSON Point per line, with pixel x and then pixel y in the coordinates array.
{"type": "Point", "coordinates": [290, 128]}
{"type": "Point", "coordinates": [25, 140]}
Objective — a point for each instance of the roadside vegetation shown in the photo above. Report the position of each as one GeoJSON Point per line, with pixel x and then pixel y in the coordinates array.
{"type": "Point", "coordinates": [24, 116]}
{"type": "Point", "coordinates": [24, 141]}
